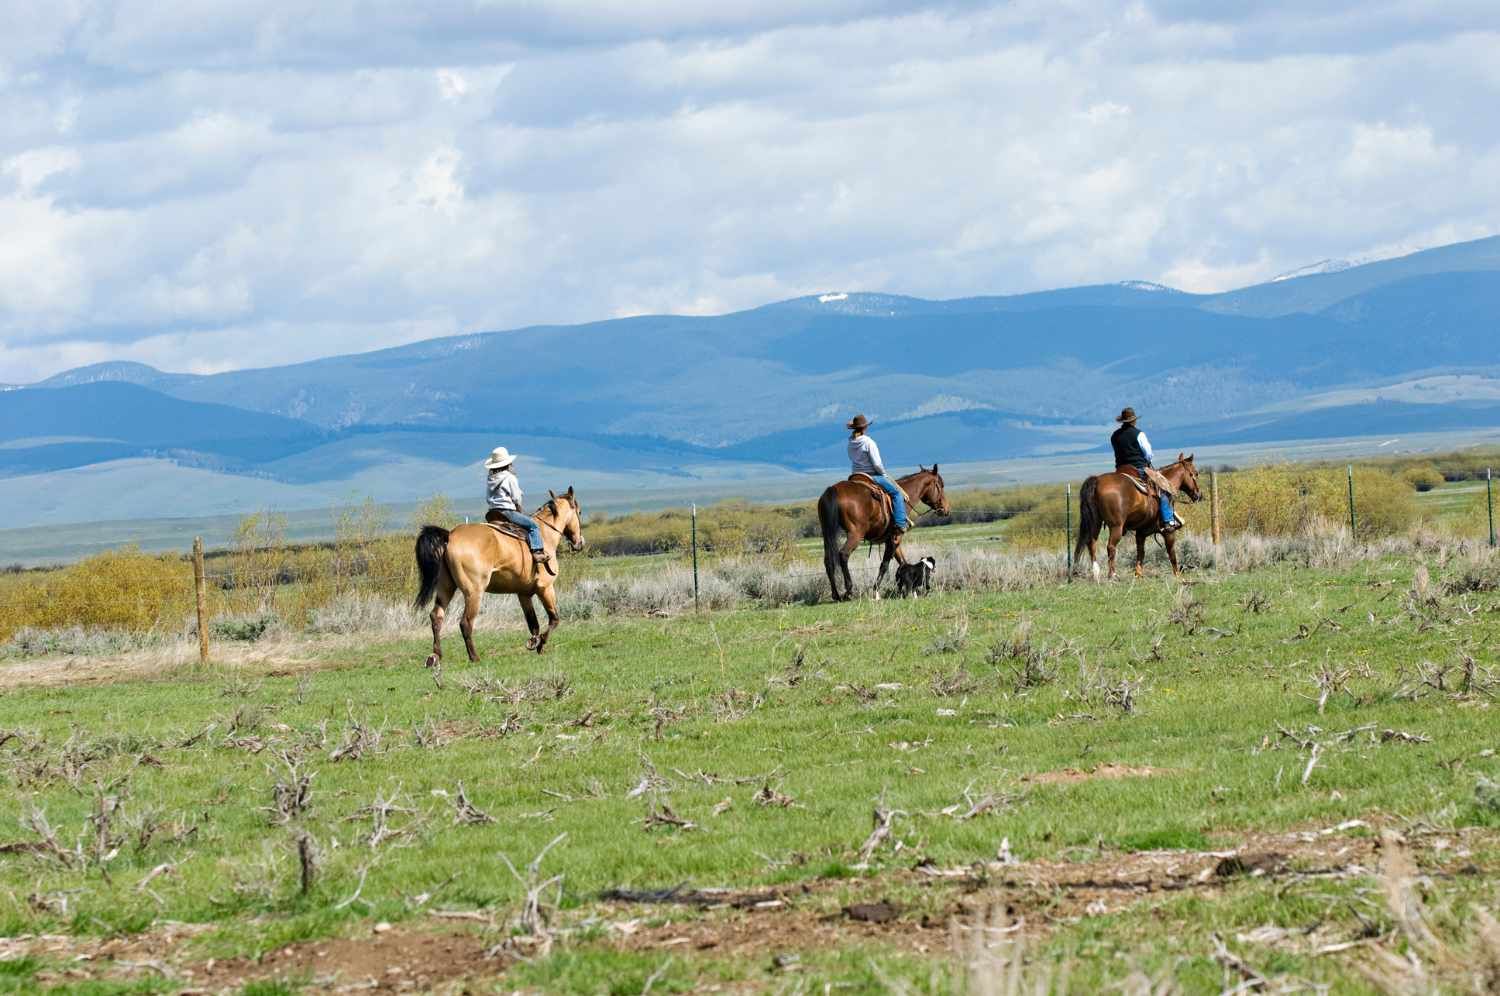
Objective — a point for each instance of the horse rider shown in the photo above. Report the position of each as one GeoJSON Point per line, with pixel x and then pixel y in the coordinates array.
{"type": "Point", "coordinates": [864, 458]}
{"type": "Point", "coordinates": [504, 500]}
{"type": "Point", "coordinates": [1133, 450]}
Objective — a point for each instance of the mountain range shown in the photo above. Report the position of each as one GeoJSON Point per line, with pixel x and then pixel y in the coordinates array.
{"type": "Point", "coordinates": [674, 404]}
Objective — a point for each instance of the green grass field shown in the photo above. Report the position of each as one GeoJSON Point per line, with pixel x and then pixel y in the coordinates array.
{"type": "Point", "coordinates": [1104, 737]}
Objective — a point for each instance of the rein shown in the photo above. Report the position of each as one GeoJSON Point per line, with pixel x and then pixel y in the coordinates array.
{"type": "Point", "coordinates": [536, 517]}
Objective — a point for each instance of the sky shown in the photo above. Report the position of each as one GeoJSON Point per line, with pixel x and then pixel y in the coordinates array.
{"type": "Point", "coordinates": [229, 184]}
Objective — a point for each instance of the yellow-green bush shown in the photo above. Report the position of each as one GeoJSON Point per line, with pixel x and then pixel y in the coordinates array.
{"type": "Point", "coordinates": [1286, 499]}
{"type": "Point", "coordinates": [1422, 476]}
{"type": "Point", "coordinates": [122, 589]}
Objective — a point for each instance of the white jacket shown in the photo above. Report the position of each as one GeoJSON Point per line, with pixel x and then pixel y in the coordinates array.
{"type": "Point", "coordinates": [504, 491]}
{"type": "Point", "coordinates": [864, 457]}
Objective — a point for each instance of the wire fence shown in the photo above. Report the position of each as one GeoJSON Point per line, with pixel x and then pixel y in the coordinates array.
{"type": "Point", "coordinates": [272, 581]}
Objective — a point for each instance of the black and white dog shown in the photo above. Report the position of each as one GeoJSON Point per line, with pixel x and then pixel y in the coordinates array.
{"type": "Point", "coordinates": [915, 578]}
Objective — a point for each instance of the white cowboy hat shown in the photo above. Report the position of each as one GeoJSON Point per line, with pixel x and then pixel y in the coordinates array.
{"type": "Point", "coordinates": [499, 457]}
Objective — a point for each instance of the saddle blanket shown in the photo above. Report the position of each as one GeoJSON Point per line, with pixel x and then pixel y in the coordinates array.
{"type": "Point", "coordinates": [1161, 482]}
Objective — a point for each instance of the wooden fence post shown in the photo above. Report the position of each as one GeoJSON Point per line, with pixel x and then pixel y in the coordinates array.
{"type": "Point", "coordinates": [1353, 530]}
{"type": "Point", "coordinates": [1213, 507]}
{"type": "Point", "coordinates": [199, 585]}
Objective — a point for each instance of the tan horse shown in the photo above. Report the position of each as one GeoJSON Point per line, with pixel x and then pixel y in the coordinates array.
{"type": "Point", "coordinates": [1113, 500]}
{"type": "Point", "coordinates": [476, 557]}
{"type": "Point", "coordinates": [855, 510]}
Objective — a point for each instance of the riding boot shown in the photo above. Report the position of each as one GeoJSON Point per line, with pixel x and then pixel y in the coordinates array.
{"type": "Point", "coordinates": [540, 559]}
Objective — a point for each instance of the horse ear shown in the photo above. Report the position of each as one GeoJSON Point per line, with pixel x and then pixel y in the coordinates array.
{"type": "Point", "coordinates": [1180, 457]}
{"type": "Point", "coordinates": [570, 490]}
{"type": "Point", "coordinates": [934, 468]}
{"type": "Point", "coordinates": [1190, 458]}
{"type": "Point", "coordinates": [551, 495]}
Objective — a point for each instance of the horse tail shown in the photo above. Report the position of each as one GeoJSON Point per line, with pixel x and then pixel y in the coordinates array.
{"type": "Point", "coordinates": [1088, 515]}
{"type": "Point", "coordinates": [831, 521]}
{"type": "Point", "coordinates": [432, 544]}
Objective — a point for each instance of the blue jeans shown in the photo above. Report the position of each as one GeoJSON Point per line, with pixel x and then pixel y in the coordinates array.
{"type": "Point", "coordinates": [526, 522]}
{"type": "Point", "coordinates": [898, 499]}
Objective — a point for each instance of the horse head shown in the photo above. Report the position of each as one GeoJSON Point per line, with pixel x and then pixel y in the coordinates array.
{"type": "Point", "coordinates": [570, 521]}
{"type": "Point", "coordinates": [1188, 481]}
{"type": "Point", "coordinates": [931, 490]}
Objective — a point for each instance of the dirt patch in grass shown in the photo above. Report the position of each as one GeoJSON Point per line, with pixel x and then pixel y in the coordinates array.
{"type": "Point", "coordinates": [397, 959]}
{"type": "Point", "coordinates": [1067, 776]}
{"type": "Point", "coordinates": [919, 910]}
{"type": "Point", "coordinates": [173, 659]}
{"type": "Point", "coordinates": [405, 959]}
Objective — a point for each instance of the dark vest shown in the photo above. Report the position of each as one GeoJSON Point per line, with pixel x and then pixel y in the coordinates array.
{"type": "Point", "coordinates": [1128, 452]}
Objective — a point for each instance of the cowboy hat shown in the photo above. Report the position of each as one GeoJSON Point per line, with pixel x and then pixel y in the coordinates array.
{"type": "Point", "coordinates": [499, 457]}
{"type": "Point", "coordinates": [857, 422]}
{"type": "Point", "coordinates": [1127, 415]}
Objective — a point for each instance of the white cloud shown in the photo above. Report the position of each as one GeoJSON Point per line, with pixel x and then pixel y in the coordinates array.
{"type": "Point", "coordinates": [234, 185]}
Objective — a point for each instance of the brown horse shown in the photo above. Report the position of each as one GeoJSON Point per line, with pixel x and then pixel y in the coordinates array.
{"type": "Point", "coordinates": [856, 511]}
{"type": "Point", "coordinates": [475, 558]}
{"type": "Point", "coordinates": [1112, 500]}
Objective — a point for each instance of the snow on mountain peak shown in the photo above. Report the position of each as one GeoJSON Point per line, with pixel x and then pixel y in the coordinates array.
{"type": "Point", "coordinates": [1144, 285]}
{"type": "Point", "coordinates": [1313, 269]}
{"type": "Point", "coordinates": [829, 298]}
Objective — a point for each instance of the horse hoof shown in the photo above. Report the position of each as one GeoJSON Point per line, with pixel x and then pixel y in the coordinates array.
{"type": "Point", "coordinates": [533, 643]}
{"type": "Point", "coordinates": [433, 660]}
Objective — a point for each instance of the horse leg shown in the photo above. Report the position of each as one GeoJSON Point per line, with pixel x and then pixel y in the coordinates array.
{"type": "Point", "coordinates": [1140, 553]}
{"type": "Point", "coordinates": [850, 545]}
{"type": "Point", "coordinates": [830, 567]}
{"type": "Point", "coordinates": [885, 563]}
{"type": "Point", "coordinates": [549, 602]}
{"type": "Point", "coordinates": [441, 598]}
{"type": "Point", "coordinates": [529, 610]}
{"type": "Point", "coordinates": [1115, 532]}
{"type": "Point", "coordinates": [1170, 539]}
{"type": "Point", "coordinates": [466, 625]}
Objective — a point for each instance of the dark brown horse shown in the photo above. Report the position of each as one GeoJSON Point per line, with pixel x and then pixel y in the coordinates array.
{"type": "Point", "coordinates": [856, 511]}
{"type": "Point", "coordinates": [1113, 500]}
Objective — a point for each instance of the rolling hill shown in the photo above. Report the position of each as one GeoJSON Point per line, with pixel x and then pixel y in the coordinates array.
{"type": "Point", "coordinates": [764, 392]}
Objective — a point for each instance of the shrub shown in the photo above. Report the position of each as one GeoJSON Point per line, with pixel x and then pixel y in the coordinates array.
{"type": "Point", "coordinates": [1290, 499]}
{"type": "Point", "coordinates": [122, 589]}
{"type": "Point", "coordinates": [245, 629]}
{"type": "Point", "coordinates": [73, 641]}
{"type": "Point", "coordinates": [1422, 477]}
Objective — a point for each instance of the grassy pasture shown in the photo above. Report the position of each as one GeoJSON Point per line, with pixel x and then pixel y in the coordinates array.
{"type": "Point", "coordinates": [1097, 729]}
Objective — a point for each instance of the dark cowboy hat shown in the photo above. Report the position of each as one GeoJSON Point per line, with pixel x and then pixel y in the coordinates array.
{"type": "Point", "coordinates": [1127, 415]}
{"type": "Point", "coordinates": [858, 422]}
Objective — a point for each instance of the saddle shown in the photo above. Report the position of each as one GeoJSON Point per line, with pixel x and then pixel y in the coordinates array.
{"type": "Point", "coordinates": [508, 529]}
{"type": "Point", "coordinates": [505, 528]}
{"type": "Point", "coordinates": [1157, 483]}
{"type": "Point", "coordinates": [865, 481]}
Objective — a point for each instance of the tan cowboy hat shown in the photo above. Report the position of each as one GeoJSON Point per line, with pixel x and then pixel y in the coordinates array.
{"type": "Point", "coordinates": [499, 457]}
{"type": "Point", "coordinates": [1127, 415]}
{"type": "Point", "coordinates": [858, 422]}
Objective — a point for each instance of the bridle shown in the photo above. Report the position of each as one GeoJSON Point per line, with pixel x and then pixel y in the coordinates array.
{"type": "Point", "coordinates": [536, 517]}
{"type": "Point", "coordinates": [930, 509]}
{"type": "Point", "coordinates": [1183, 463]}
